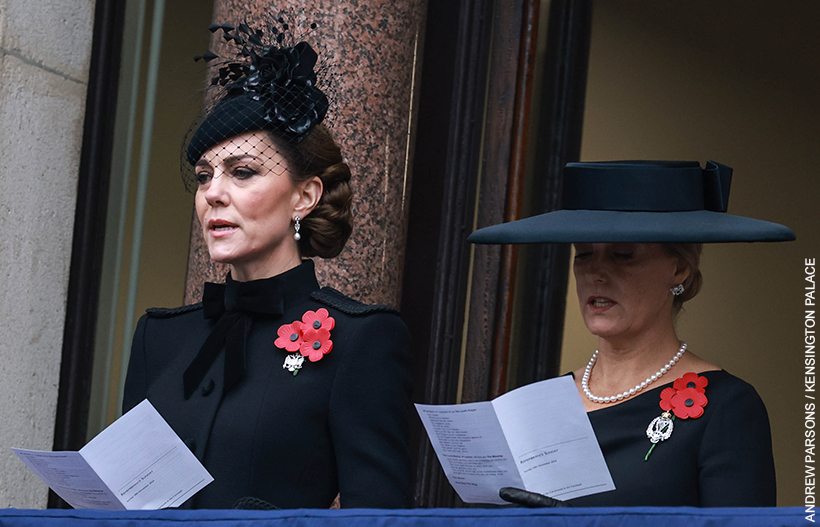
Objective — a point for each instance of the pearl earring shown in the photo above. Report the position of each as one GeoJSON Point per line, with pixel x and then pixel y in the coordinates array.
{"type": "Point", "coordinates": [297, 226]}
{"type": "Point", "coordinates": [677, 290]}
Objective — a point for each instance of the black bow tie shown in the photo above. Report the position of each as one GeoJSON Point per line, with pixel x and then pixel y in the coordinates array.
{"type": "Point", "coordinates": [233, 304]}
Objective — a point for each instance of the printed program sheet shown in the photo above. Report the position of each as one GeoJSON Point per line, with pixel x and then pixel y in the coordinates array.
{"type": "Point", "coordinates": [537, 437]}
{"type": "Point", "coordinates": [136, 463]}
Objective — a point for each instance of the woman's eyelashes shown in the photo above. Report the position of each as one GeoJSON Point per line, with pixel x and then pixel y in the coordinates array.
{"type": "Point", "coordinates": [582, 250]}
{"type": "Point", "coordinates": [203, 177]}
{"type": "Point", "coordinates": [241, 173]}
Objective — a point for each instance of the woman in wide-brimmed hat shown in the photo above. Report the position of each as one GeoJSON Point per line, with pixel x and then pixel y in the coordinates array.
{"type": "Point", "coordinates": [674, 428]}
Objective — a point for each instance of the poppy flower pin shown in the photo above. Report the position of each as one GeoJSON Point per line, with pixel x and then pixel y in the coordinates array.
{"type": "Point", "coordinates": [685, 399]}
{"type": "Point", "coordinates": [307, 338]}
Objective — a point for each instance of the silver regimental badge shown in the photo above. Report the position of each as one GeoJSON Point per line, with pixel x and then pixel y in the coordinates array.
{"type": "Point", "coordinates": [293, 362]}
{"type": "Point", "coordinates": [660, 429]}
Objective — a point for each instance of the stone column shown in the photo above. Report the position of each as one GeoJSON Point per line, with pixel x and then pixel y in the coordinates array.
{"type": "Point", "coordinates": [372, 47]}
{"type": "Point", "coordinates": [45, 54]}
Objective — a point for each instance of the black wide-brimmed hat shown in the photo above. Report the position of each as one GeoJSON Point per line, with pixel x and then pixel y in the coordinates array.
{"type": "Point", "coordinates": [640, 201]}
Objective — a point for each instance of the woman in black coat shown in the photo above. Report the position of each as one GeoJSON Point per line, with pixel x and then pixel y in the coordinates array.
{"type": "Point", "coordinates": [287, 392]}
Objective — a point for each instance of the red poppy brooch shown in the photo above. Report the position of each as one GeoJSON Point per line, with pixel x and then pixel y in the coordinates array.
{"type": "Point", "coordinates": [309, 337]}
{"type": "Point", "coordinates": [685, 399]}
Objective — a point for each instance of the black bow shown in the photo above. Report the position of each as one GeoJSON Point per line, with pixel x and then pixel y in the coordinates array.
{"type": "Point", "coordinates": [234, 304]}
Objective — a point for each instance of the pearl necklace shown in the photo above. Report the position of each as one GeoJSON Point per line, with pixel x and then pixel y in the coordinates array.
{"type": "Point", "coordinates": [632, 391]}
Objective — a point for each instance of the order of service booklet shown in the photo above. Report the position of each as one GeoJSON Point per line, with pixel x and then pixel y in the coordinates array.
{"type": "Point", "coordinates": [138, 462]}
{"type": "Point", "coordinates": [537, 437]}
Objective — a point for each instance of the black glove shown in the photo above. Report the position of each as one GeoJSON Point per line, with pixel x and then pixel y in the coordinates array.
{"type": "Point", "coordinates": [252, 503]}
{"type": "Point", "coordinates": [529, 499]}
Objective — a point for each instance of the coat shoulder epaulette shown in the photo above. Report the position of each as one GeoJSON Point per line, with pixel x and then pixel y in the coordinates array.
{"type": "Point", "coordinates": [164, 312]}
{"type": "Point", "coordinates": [336, 300]}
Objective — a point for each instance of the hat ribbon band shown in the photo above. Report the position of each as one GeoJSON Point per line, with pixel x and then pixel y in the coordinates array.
{"type": "Point", "coordinates": [649, 188]}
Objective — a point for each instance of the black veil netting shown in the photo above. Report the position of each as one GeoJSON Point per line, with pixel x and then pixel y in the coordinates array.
{"type": "Point", "coordinates": [265, 101]}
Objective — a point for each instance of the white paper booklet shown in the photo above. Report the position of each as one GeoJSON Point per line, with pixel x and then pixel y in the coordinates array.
{"type": "Point", "coordinates": [136, 463]}
{"type": "Point", "coordinates": [537, 437]}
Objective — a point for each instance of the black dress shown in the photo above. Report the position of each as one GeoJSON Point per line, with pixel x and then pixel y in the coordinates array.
{"type": "Point", "coordinates": [339, 425]}
{"type": "Point", "coordinates": [721, 459]}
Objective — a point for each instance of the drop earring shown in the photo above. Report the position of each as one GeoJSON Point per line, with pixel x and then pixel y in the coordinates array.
{"type": "Point", "coordinates": [296, 227]}
{"type": "Point", "coordinates": [677, 290]}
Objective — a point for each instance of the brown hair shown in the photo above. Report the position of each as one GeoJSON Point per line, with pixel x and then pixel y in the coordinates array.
{"type": "Point", "coordinates": [689, 253]}
{"type": "Point", "coordinates": [326, 229]}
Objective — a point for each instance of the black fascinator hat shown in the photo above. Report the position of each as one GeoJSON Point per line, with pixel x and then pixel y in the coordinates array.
{"type": "Point", "coordinates": [269, 86]}
{"type": "Point", "coordinates": [639, 201]}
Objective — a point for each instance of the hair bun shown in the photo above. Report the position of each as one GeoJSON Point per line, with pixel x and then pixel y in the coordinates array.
{"type": "Point", "coordinates": [327, 228]}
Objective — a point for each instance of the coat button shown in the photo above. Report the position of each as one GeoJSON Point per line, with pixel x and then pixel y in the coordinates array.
{"type": "Point", "coordinates": [191, 444]}
{"type": "Point", "coordinates": [207, 389]}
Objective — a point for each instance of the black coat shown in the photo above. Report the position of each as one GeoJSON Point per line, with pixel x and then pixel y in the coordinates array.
{"type": "Point", "coordinates": [339, 425]}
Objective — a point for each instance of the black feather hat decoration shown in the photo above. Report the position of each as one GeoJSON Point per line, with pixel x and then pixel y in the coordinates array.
{"type": "Point", "coordinates": [268, 85]}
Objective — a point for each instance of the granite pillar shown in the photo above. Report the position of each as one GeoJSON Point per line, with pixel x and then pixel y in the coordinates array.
{"type": "Point", "coordinates": [371, 46]}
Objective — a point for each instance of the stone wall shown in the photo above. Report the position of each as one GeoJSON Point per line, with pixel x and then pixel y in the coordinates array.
{"type": "Point", "coordinates": [44, 61]}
